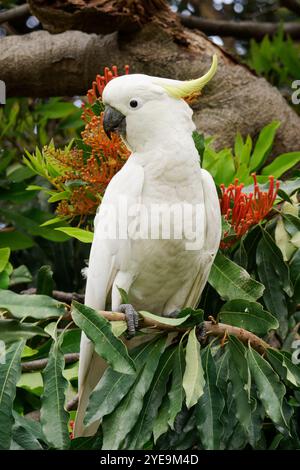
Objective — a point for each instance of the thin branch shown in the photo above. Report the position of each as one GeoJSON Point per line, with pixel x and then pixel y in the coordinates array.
{"type": "Point", "coordinates": [14, 13]}
{"type": "Point", "coordinates": [210, 328]}
{"type": "Point", "coordinates": [66, 297]}
{"type": "Point", "coordinates": [239, 29]}
{"type": "Point", "coordinates": [40, 364]}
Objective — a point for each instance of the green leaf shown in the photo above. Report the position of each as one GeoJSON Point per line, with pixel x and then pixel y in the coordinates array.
{"type": "Point", "coordinates": [54, 417]}
{"type": "Point", "coordinates": [119, 423]}
{"type": "Point", "coordinates": [25, 438]}
{"type": "Point", "coordinates": [270, 390]}
{"type": "Point", "coordinates": [176, 392]}
{"type": "Point", "coordinates": [284, 367]}
{"type": "Point", "coordinates": [164, 320]}
{"type": "Point", "coordinates": [82, 235]}
{"type": "Point", "coordinates": [20, 275]}
{"type": "Point", "coordinates": [98, 330]}
{"type": "Point", "coordinates": [295, 275]}
{"type": "Point", "coordinates": [210, 407]}
{"type": "Point", "coordinates": [274, 274]}
{"type": "Point", "coordinates": [33, 306]}
{"type": "Point", "coordinates": [13, 330]}
{"type": "Point", "coordinates": [124, 295]}
{"type": "Point", "coordinates": [240, 395]}
{"type": "Point", "coordinates": [193, 378]}
{"type": "Point", "coordinates": [10, 371]}
{"type": "Point", "coordinates": [4, 257]}
{"type": "Point", "coordinates": [233, 282]}
{"type": "Point", "coordinates": [32, 382]}
{"type": "Point", "coordinates": [142, 430]}
{"type": "Point", "coordinates": [281, 164]}
{"type": "Point", "coordinates": [238, 354]}
{"type": "Point", "coordinates": [113, 386]}
{"type": "Point", "coordinates": [15, 240]}
{"type": "Point", "coordinates": [161, 425]}
{"type": "Point", "coordinates": [248, 315]}
{"type": "Point", "coordinates": [45, 283]}
{"type": "Point", "coordinates": [263, 145]}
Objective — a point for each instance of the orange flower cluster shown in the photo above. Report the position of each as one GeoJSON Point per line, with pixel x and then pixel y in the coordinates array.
{"type": "Point", "coordinates": [88, 169]}
{"type": "Point", "coordinates": [243, 210]}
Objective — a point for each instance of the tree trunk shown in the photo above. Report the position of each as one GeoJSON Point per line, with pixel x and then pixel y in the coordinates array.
{"type": "Point", "coordinates": [43, 64]}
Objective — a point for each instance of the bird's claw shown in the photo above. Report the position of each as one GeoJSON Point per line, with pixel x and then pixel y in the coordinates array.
{"type": "Point", "coordinates": [132, 318]}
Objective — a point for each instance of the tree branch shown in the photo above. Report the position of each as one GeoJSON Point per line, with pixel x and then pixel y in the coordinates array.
{"type": "Point", "coordinates": [66, 297]}
{"type": "Point", "coordinates": [40, 364]}
{"type": "Point", "coordinates": [210, 328]}
{"type": "Point", "coordinates": [14, 13]}
{"type": "Point", "coordinates": [239, 29]}
{"type": "Point", "coordinates": [40, 64]}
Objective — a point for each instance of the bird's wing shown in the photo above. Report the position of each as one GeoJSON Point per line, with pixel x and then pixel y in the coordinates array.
{"type": "Point", "coordinates": [104, 263]}
{"type": "Point", "coordinates": [212, 238]}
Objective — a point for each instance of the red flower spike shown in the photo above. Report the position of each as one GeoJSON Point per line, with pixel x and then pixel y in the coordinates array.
{"type": "Point", "coordinates": [243, 210]}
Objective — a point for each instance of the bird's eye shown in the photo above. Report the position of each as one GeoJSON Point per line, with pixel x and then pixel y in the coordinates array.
{"type": "Point", "coordinates": [133, 104]}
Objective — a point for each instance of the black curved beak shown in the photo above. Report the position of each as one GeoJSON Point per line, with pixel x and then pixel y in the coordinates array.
{"type": "Point", "coordinates": [113, 121]}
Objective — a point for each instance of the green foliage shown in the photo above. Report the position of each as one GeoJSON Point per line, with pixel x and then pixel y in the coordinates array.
{"type": "Point", "coordinates": [245, 158]}
{"type": "Point", "coordinates": [173, 391]}
{"type": "Point", "coordinates": [277, 59]}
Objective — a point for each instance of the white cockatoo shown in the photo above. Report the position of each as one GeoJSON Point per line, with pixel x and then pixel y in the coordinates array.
{"type": "Point", "coordinates": [161, 272]}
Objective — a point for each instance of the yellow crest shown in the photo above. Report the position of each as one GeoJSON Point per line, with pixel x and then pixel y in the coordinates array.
{"type": "Point", "coordinates": [184, 89]}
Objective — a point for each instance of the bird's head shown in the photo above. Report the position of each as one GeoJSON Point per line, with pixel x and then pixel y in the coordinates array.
{"type": "Point", "coordinates": [143, 109]}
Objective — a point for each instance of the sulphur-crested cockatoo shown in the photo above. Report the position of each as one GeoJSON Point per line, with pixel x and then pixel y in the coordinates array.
{"type": "Point", "coordinates": [141, 242]}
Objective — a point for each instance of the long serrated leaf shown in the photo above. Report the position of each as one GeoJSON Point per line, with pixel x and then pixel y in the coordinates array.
{"type": "Point", "coordinates": [248, 315]}
{"type": "Point", "coordinates": [33, 306]}
{"type": "Point", "coordinates": [143, 428]}
{"type": "Point", "coordinates": [10, 371]}
{"type": "Point", "coordinates": [13, 330]}
{"type": "Point", "coordinates": [210, 406]}
{"type": "Point", "coordinates": [98, 330]}
{"type": "Point", "coordinates": [113, 386]}
{"type": "Point", "coordinates": [270, 390]}
{"type": "Point", "coordinates": [233, 282]}
{"type": "Point", "coordinates": [119, 423]}
{"type": "Point", "coordinates": [193, 379]}
{"type": "Point", "coordinates": [176, 392]}
{"type": "Point", "coordinates": [54, 417]}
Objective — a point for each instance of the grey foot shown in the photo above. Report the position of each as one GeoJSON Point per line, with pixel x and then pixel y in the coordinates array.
{"type": "Point", "coordinates": [173, 314]}
{"type": "Point", "coordinates": [201, 333]}
{"type": "Point", "coordinates": [132, 318]}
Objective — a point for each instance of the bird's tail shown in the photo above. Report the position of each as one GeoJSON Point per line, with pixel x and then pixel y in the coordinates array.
{"type": "Point", "coordinates": [96, 370]}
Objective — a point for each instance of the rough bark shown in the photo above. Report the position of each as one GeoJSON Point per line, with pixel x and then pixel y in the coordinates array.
{"type": "Point", "coordinates": [40, 64]}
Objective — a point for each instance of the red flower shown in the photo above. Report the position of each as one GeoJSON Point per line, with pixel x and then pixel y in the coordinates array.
{"type": "Point", "coordinates": [101, 81]}
{"type": "Point", "coordinates": [243, 210]}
